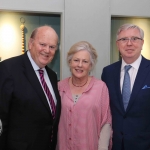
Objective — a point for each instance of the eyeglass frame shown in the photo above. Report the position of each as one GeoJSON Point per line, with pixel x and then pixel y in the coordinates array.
{"type": "Point", "coordinates": [133, 39]}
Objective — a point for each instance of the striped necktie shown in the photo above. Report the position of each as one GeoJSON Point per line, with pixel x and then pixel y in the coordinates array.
{"type": "Point", "coordinates": [126, 88]}
{"type": "Point", "coordinates": [47, 91]}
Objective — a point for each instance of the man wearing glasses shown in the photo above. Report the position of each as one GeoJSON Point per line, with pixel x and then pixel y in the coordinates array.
{"type": "Point", "coordinates": [128, 81]}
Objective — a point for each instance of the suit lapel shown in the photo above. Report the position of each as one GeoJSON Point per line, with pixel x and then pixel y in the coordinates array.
{"type": "Point", "coordinates": [55, 89]}
{"type": "Point", "coordinates": [32, 77]}
{"type": "Point", "coordinates": [116, 76]}
{"type": "Point", "coordinates": [140, 78]}
{"type": "Point", "coordinates": [53, 82]}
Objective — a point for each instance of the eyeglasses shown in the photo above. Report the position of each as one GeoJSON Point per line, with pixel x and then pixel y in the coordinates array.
{"type": "Point", "coordinates": [132, 39]}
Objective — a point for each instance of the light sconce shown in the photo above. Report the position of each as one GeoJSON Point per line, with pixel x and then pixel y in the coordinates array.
{"type": "Point", "coordinates": [22, 27]}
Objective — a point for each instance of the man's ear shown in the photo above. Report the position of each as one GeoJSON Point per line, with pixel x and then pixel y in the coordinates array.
{"type": "Point", "coordinates": [142, 44]}
{"type": "Point", "coordinates": [117, 44]}
{"type": "Point", "coordinates": [30, 43]}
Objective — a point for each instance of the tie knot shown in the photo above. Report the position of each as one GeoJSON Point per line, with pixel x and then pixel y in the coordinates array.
{"type": "Point", "coordinates": [127, 67]}
{"type": "Point", "coordinates": [41, 71]}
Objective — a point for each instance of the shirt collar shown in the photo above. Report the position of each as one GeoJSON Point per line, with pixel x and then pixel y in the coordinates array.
{"type": "Point", "coordinates": [34, 65]}
{"type": "Point", "coordinates": [135, 64]}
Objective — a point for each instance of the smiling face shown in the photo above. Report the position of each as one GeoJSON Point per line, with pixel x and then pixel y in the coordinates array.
{"type": "Point", "coordinates": [80, 64]}
{"type": "Point", "coordinates": [130, 51]}
{"type": "Point", "coordinates": [43, 46]}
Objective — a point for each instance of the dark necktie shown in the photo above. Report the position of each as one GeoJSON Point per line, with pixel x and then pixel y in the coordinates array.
{"type": "Point", "coordinates": [126, 88]}
{"type": "Point", "coordinates": [47, 91]}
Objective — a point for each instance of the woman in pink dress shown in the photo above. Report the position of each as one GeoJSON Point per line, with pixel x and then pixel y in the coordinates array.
{"type": "Point", "coordinates": [85, 122]}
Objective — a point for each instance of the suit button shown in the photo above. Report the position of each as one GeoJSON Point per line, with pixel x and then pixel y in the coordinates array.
{"type": "Point", "coordinates": [124, 117]}
{"type": "Point", "coordinates": [121, 133]}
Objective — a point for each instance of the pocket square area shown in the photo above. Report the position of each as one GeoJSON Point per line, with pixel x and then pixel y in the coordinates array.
{"type": "Point", "coordinates": [145, 87]}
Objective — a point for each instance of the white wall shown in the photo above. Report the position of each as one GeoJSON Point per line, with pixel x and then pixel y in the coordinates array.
{"type": "Point", "coordinates": [88, 20]}
{"type": "Point", "coordinates": [83, 20]}
{"type": "Point", "coordinates": [140, 8]}
{"type": "Point", "coordinates": [33, 5]}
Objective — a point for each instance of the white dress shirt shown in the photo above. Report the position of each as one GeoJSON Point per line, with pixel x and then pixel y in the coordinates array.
{"type": "Point", "coordinates": [132, 71]}
{"type": "Point", "coordinates": [36, 68]}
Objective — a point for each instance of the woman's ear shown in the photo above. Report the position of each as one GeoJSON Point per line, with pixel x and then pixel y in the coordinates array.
{"type": "Point", "coordinates": [69, 63]}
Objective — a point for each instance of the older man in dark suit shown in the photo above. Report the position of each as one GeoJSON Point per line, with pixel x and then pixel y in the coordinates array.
{"type": "Point", "coordinates": [128, 81]}
{"type": "Point", "coordinates": [29, 98]}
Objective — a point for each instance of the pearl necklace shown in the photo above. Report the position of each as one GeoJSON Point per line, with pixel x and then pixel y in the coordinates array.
{"type": "Point", "coordinates": [79, 85]}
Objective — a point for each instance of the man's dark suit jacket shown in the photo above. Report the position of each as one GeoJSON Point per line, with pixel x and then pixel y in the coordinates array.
{"type": "Point", "coordinates": [133, 125]}
{"type": "Point", "coordinates": [24, 111]}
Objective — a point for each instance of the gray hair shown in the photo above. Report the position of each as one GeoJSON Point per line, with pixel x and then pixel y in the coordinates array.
{"type": "Point", "coordinates": [83, 45]}
{"type": "Point", "coordinates": [130, 26]}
